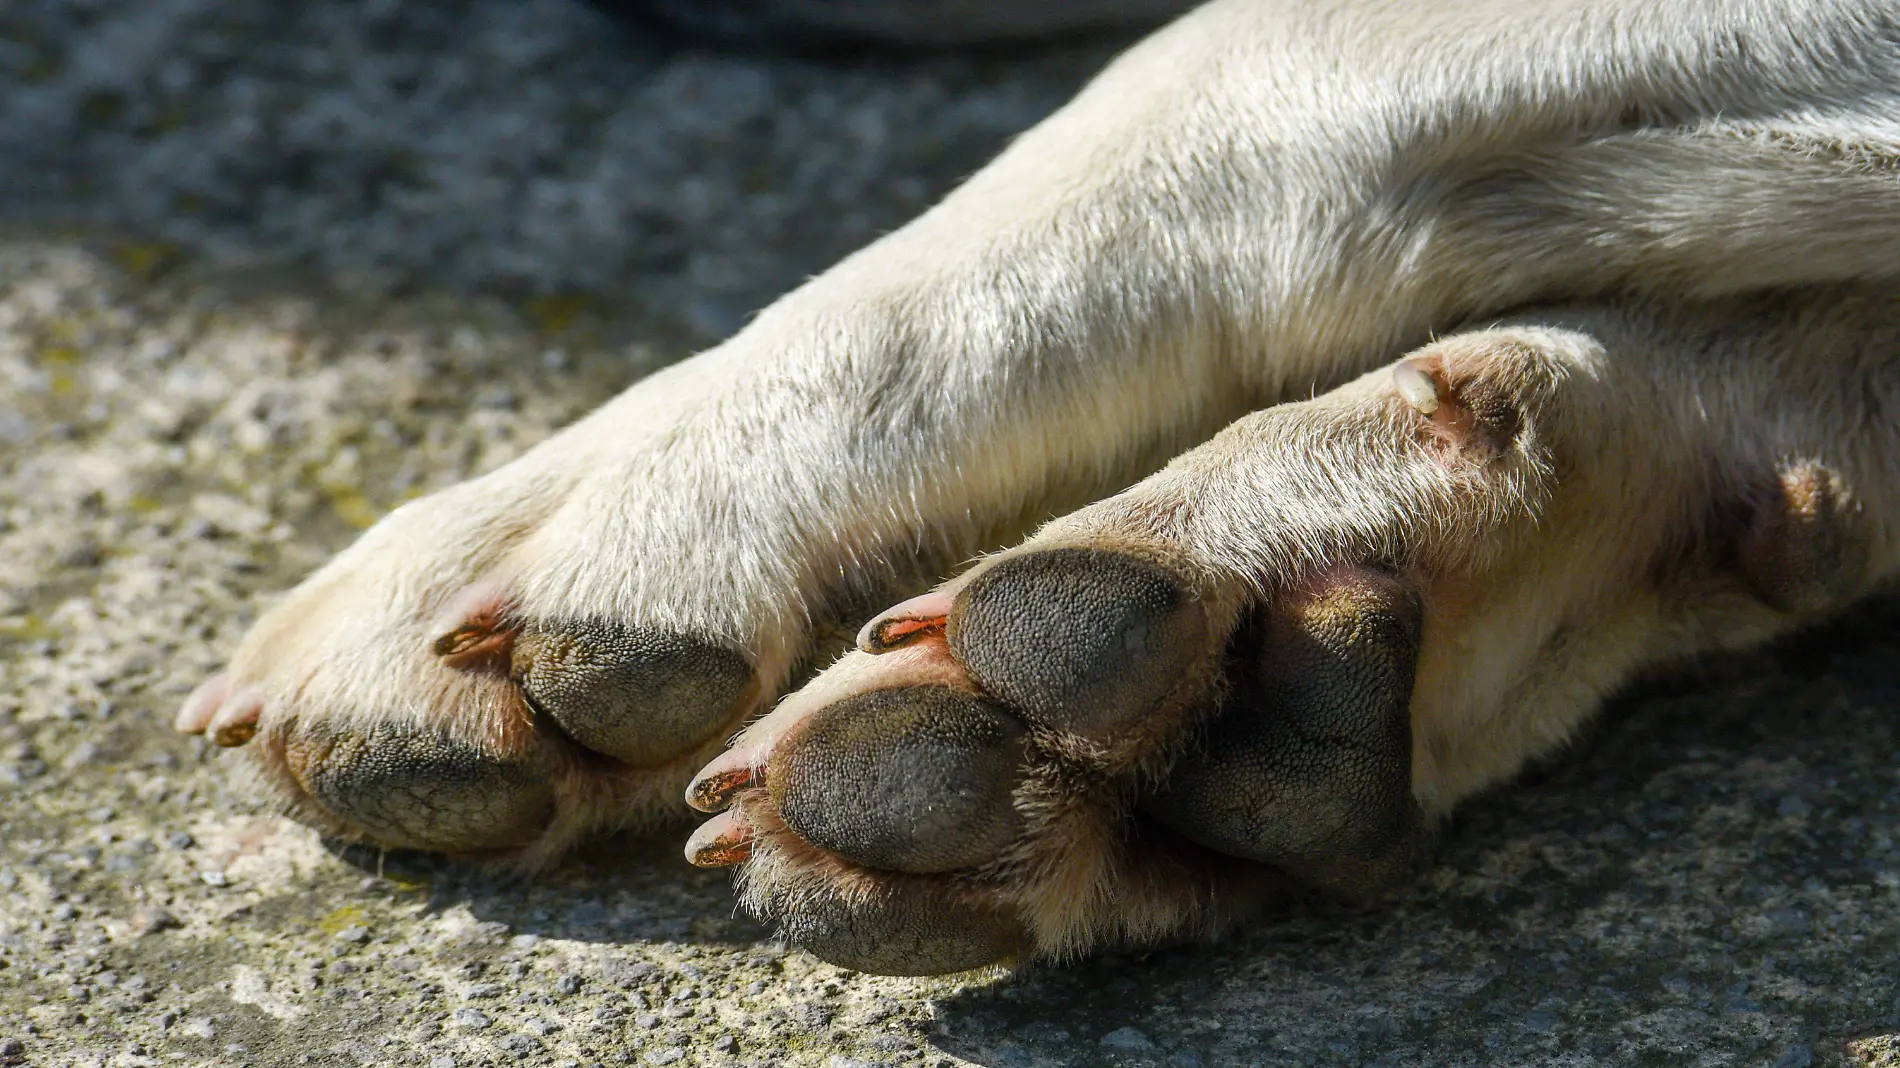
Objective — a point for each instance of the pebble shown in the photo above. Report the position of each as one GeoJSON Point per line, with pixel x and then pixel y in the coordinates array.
{"type": "Point", "coordinates": [356, 935]}
{"type": "Point", "coordinates": [1009, 1056]}
{"type": "Point", "coordinates": [475, 1019]}
{"type": "Point", "coordinates": [1128, 1039]}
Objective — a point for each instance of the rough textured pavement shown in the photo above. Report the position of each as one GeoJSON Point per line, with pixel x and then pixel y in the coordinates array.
{"type": "Point", "coordinates": [267, 269]}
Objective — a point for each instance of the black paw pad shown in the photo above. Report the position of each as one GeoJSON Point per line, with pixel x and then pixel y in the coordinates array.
{"type": "Point", "coordinates": [638, 695]}
{"type": "Point", "coordinates": [1079, 640]}
{"type": "Point", "coordinates": [1308, 766]}
{"type": "Point", "coordinates": [408, 788]}
{"type": "Point", "coordinates": [915, 780]}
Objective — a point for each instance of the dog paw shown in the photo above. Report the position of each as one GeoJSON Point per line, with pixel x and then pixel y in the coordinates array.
{"type": "Point", "coordinates": [1268, 669]}
{"type": "Point", "coordinates": [408, 695]}
{"type": "Point", "coordinates": [549, 650]}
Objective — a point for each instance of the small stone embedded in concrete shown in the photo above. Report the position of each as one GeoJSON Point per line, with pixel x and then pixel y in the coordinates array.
{"type": "Point", "coordinates": [1128, 1039]}
{"type": "Point", "coordinates": [1797, 1055]}
{"type": "Point", "coordinates": [568, 985]}
{"type": "Point", "coordinates": [356, 934]}
{"type": "Point", "coordinates": [669, 1055]}
{"type": "Point", "coordinates": [474, 1019]}
{"type": "Point", "coordinates": [1009, 1055]}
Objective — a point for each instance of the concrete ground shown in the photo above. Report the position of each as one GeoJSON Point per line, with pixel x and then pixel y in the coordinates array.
{"type": "Point", "coordinates": [268, 268]}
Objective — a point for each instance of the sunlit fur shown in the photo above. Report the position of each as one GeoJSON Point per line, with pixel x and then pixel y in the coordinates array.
{"type": "Point", "coordinates": [1257, 204]}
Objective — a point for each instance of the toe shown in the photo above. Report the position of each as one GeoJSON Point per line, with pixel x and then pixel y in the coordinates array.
{"type": "Point", "coordinates": [1308, 766]}
{"type": "Point", "coordinates": [418, 788]}
{"type": "Point", "coordinates": [639, 695]}
{"type": "Point", "coordinates": [917, 780]}
{"type": "Point", "coordinates": [1084, 641]}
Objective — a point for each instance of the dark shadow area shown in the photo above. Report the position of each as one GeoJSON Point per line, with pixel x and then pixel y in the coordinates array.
{"type": "Point", "coordinates": [744, 28]}
{"type": "Point", "coordinates": [1713, 868]}
{"type": "Point", "coordinates": [621, 890]}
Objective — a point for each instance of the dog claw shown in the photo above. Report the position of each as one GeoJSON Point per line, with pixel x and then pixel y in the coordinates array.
{"type": "Point", "coordinates": [483, 642]}
{"type": "Point", "coordinates": [720, 842]}
{"type": "Point", "coordinates": [713, 788]}
{"type": "Point", "coordinates": [904, 623]}
{"type": "Point", "coordinates": [195, 714]}
{"type": "Point", "coordinates": [1416, 386]}
{"type": "Point", "coordinates": [236, 722]}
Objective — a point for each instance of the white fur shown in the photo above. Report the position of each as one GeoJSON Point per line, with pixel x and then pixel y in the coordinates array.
{"type": "Point", "coordinates": [1261, 201]}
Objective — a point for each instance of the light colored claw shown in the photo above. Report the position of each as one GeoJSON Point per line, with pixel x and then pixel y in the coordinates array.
{"type": "Point", "coordinates": [720, 842]}
{"type": "Point", "coordinates": [195, 714]}
{"type": "Point", "coordinates": [1417, 387]}
{"type": "Point", "coordinates": [236, 721]}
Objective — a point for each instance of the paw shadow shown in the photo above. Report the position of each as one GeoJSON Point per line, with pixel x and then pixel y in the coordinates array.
{"type": "Point", "coordinates": [621, 890]}
{"type": "Point", "coordinates": [1710, 862]}
{"type": "Point", "coordinates": [1715, 861]}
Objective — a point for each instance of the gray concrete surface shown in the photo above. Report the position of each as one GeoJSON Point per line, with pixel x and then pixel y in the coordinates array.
{"type": "Point", "coordinates": [268, 268]}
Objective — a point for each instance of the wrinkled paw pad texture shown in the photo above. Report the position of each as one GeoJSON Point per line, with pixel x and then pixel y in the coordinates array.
{"type": "Point", "coordinates": [638, 695]}
{"type": "Point", "coordinates": [1080, 641]}
{"type": "Point", "coordinates": [915, 780]}
{"type": "Point", "coordinates": [398, 786]}
{"type": "Point", "coordinates": [1026, 804]}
